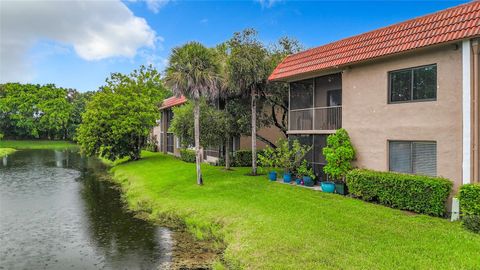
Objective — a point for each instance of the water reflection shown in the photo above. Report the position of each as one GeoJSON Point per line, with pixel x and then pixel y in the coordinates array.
{"type": "Point", "coordinates": [56, 214]}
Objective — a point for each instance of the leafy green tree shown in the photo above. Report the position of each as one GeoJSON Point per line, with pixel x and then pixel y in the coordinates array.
{"type": "Point", "coordinates": [54, 112]}
{"type": "Point", "coordinates": [211, 122]}
{"type": "Point", "coordinates": [339, 153]}
{"type": "Point", "coordinates": [119, 117]}
{"type": "Point", "coordinates": [274, 95]}
{"type": "Point", "coordinates": [35, 111]}
{"type": "Point", "coordinates": [194, 71]}
{"type": "Point", "coordinates": [248, 68]}
{"type": "Point", "coordinates": [79, 104]}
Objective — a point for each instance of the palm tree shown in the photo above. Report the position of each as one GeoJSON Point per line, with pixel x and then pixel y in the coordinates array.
{"type": "Point", "coordinates": [193, 71]}
{"type": "Point", "coordinates": [248, 70]}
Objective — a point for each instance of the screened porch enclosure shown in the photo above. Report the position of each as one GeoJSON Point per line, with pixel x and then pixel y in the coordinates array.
{"type": "Point", "coordinates": [315, 156]}
{"type": "Point", "coordinates": [316, 104]}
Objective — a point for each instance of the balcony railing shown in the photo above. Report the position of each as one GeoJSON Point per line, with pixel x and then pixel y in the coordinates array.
{"type": "Point", "coordinates": [319, 118]}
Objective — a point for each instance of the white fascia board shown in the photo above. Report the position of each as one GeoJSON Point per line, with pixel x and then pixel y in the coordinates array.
{"type": "Point", "coordinates": [466, 111]}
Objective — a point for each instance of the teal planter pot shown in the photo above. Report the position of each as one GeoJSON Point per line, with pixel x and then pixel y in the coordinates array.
{"type": "Point", "coordinates": [272, 176]}
{"type": "Point", "coordinates": [328, 187]}
{"type": "Point", "coordinates": [298, 181]}
{"type": "Point", "coordinates": [308, 181]}
{"type": "Point", "coordinates": [287, 177]}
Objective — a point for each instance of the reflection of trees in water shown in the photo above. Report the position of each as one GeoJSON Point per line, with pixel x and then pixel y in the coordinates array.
{"type": "Point", "coordinates": [117, 234]}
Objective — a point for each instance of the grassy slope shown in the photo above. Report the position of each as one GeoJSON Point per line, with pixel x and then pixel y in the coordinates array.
{"type": "Point", "coordinates": [36, 144]}
{"type": "Point", "coordinates": [6, 151]}
{"type": "Point", "coordinates": [273, 226]}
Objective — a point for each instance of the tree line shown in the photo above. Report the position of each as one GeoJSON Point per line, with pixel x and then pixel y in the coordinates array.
{"type": "Point", "coordinates": [34, 111]}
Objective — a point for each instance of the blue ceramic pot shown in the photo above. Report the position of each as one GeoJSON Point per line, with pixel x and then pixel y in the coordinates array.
{"type": "Point", "coordinates": [298, 181]}
{"type": "Point", "coordinates": [272, 176]}
{"type": "Point", "coordinates": [328, 187]}
{"type": "Point", "coordinates": [287, 177]}
{"type": "Point", "coordinates": [308, 181]}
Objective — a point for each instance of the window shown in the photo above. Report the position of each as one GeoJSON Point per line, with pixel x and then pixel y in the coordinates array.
{"type": "Point", "coordinates": [301, 94]}
{"type": "Point", "coordinates": [413, 157]}
{"type": "Point", "coordinates": [413, 84]}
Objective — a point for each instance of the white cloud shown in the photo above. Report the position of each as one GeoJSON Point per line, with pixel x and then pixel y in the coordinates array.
{"type": "Point", "coordinates": [95, 29]}
{"type": "Point", "coordinates": [156, 5]}
{"type": "Point", "coordinates": [268, 3]}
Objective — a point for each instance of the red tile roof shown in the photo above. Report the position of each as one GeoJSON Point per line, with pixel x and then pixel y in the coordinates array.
{"type": "Point", "coordinates": [173, 101]}
{"type": "Point", "coordinates": [448, 25]}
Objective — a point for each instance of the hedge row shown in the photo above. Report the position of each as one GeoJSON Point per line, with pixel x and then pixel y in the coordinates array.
{"type": "Point", "coordinates": [187, 155]}
{"type": "Point", "coordinates": [469, 197]}
{"type": "Point", "coordinates": [241, 158]}
{"type": "Point", "coordinates": [417, 193]}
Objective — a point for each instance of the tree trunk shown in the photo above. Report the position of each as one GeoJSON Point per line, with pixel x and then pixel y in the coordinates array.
{"type": "Point", "coordinates": [227, 154]}
{"type": "Point", "coordinates": [197, 141]}
{"type": "Point", "coordinates": [254, 132]}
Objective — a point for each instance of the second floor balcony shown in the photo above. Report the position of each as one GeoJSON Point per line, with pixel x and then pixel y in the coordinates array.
{"type": "Point", "coordinates": [326, 119]}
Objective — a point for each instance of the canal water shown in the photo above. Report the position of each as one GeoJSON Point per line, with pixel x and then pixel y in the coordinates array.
{"type": "Point", "coordinates": [56, 213]}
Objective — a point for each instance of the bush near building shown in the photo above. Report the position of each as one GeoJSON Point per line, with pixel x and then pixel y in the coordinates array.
{"type": "Point", "coordinates": [417, 193]}
{"type": "Point", "coordinates": [470, 206]}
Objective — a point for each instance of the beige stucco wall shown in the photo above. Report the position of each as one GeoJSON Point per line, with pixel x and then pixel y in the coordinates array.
{"type": "Point", "coordinates": [272, 134]}
{"type": "Point", "coordinates": [371, 121]}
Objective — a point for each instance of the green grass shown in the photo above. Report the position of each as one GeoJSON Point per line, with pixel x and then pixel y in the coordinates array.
{"type": "Point", "coordinates": [36, 144]}
{"type": "Point", "coordinates": [273, 226]}
{"type": "Point", "coordinates": [6, 151]}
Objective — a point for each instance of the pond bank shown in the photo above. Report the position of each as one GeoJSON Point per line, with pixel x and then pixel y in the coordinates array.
{"type": "Point", "coordinates": [6, 151]}
{"type": "Point", "coordinates": [263, 225]}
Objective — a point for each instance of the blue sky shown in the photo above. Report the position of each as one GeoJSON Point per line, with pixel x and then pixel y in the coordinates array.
{"type": "Point", "coordinates": [66, 61]}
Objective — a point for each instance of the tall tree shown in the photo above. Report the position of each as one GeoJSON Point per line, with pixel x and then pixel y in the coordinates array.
{"type": "Point", "coordinates": [119, 117]}
{"type": "Point", "coordinates": [193, 71]}
{"type": "Point", "coordinates": [275, 95]}
{"type": "Point", "coordinates": [248, 69]}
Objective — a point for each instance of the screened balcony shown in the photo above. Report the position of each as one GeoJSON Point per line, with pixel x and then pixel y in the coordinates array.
{"type": "Point", "coordinates": [316, 105]}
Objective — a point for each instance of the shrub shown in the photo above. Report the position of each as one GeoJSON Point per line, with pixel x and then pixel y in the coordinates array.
{"type": "Point", "coordinates": [339, 154]}
{"type": "Point", "coordinates": [417, 193]}
{"type": "Point", "coordinates": [290, 154]}
{"type": "Point", "coordinates": [305, 170]}
{"type": "Point", "coordinates": [187, 155]}
{"type": "Point", "coordinates": [268, 158]}
{"type": "Point", "coordinates": [469, 197]}
{"type": "Point", "coordinates": [241, 158]}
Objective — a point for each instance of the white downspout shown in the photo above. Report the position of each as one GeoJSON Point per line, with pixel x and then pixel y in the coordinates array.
{"type": "Point", "coordinates": [466, 98]}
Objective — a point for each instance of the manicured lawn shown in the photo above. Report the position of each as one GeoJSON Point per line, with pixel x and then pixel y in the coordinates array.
{"type": "Point", "coordinates": [36, 144]}
{"type": "Point", "coordinates": [6, 151]}
{"type": "Point", "coordinates": [273, 226]}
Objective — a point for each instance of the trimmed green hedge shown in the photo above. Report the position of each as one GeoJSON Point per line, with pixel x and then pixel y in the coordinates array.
{"type": "Point", "coordinates": [187, 155]}
{"type": "Point", "coordinates": [469, 197]}
{"type": "Point", "coordinates": [241, 158]}
{"type": "Point", "coordinates": [417, 193]}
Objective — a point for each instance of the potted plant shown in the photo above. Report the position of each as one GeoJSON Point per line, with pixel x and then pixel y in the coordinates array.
{"type": "Point", "coordinates": [268, 159]}
{"type": "Point", "coordinates": [298, 177]}
{"type": "Point", "coordinates": [289, 155]}
{"type": "Point", "coordinates": [339, 153]}
{"type": "Point", "coordinates": [307, 173]}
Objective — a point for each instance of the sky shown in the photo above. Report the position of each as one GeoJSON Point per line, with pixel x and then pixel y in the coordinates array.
{"type": "Point", "coordinates": [77, 44]}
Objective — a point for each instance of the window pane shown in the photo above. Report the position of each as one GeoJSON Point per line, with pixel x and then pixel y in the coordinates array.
{"type": "Point", "coordinates": [400, 85]}
{"type": "Point", "coordinates": [425, 158]}
{"type": "Point", "coordinates": [400, 157]}
{"type": "Point", "coordinates": [425, 82]}
{"type": "Point", "coordinates": [301, 120]}
{"type": "Point", "coordinates": [301, 94]}
{"type": "Point", "coordinates": [325, 84]}
{"type": "Point", "coordinates": [334, 98]}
